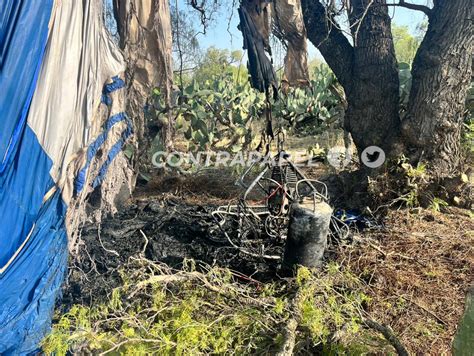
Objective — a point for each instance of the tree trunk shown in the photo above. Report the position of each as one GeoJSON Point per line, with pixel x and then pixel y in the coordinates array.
{"type": "Point", "coordinates": [145, 36]}
{"type": "Point", "coordinates": [372, 114]}
{"type": "Point", "coordinates": [367, 70]}
{"type": "Point", "coordinates": [441, 77]}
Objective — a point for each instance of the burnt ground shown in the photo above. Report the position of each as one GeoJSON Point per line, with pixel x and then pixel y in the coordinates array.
{"type": "Point", "coordinates": [417, 268]}
{"type": "Point", "coordinates": [168, 220]}
{"type": "Point", "coordinates": [161, 228]}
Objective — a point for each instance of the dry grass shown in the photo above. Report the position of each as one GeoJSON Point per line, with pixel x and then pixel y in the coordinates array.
{"type": "Point", "coordinates": [208, 187]}
{"type": "Point", "coordinates": [211, 186]}
{"type": "Point", "coordinates": [418, 271]}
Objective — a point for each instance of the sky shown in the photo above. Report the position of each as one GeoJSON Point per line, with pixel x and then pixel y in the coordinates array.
{"type": "Point", "coordinates": [218, 33]}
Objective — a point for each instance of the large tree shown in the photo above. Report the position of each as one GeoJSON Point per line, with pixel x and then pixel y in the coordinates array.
{"type": "Point", "coordinates": [364, 61]}
{"type": "Point", "coordinates": [441, 78]}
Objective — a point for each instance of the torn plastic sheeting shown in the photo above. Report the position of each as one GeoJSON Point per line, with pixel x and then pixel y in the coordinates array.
{"type": "Point", "coordinates": [47, 141]}
{"type": "Point", "coordinates": [261, 70]}
{"type": "Point", "coordinates": [114, 151]}
{"type": "Point", "coordinates": [117, 83]}
{"type": "Point", "coordinates": [10, 11]}
{"type": "Point", "coordinates": [356, 219]}
{"type": "Point", "coordinates": [24, 34]}
{"type": "Point", "coordinates": [30, 286]}
{"type": "Point", "coordinates": [95, 146]}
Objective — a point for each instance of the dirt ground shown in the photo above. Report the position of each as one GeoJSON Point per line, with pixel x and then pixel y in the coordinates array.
{"type": "Point", "coordinates": [417, 268]}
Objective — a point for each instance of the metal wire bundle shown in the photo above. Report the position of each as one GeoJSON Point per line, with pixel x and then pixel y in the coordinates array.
{"type": "Point", "coordinates": [258, 224]}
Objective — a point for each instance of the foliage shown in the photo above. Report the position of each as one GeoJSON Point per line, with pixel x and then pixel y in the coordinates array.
{"type": "Point", "coordinates": [416, 178]}
{"type": "Point", "coordinates": [470, 102]}
{"type": "Point", "coordinates": [217, 61]}
{"type": "Point", "coordinates": [189, 20]}
{"type": "Point", "coordinates": [406, 46]}
{"type": "Point", "coordinates": [220, 112]}
{"type": "Point", "coordinates": [405, 43]}
{"type": "Point", "coordinates": [186, 48]}
{"type": "Point", "coordinates": [404, 75]}
{"type": "Point", "coordinates": [314, 108]}
{"type": "Point", "coordinates": [469, 135]}
{"type": "Point", "coordinates": [313, 66]}
{"type": "Point", "coordinates": [217, 112]}
{"type": "Point", "coordinates": [406, 185]}
{"type": "Point", "coordinates": [158, 310]}
{"type": "Point", "coordinates": [468, 138]}
{"type": "Point", "coordinates": [321, 310]}
{"type": "Point", "coordinates": [437, 204]}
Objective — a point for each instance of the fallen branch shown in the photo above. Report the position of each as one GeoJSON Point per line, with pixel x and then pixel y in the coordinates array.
{"type": "Point", "coordinates": [287, 349]}
{"type": "Point", "coordinates": [427, 311]}
{"type": "Point", "coordinates": [146, 242]}
{"type": "Point", "coordinates": [102, 245]}
{"type": "Point", "coordinates": [190, 276]}
{"type": "Point", "coordinates": [389, 336]}
{"type": "Point", "coordinates": [290, 339]}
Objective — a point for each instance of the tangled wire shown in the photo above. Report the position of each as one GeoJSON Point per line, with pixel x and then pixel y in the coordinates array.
{"type": "Point", "coordinates": [257, 225]}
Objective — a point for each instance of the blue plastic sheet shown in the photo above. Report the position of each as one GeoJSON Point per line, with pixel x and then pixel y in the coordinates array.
{"type": "Point", "coordinates": [33, 237]}
{"type": "Point", "coordinates": [354, 218]}
{"type": "Point", "coordinates": [24, 34]}
{"type": "Point", "coordinates": [33, 241]}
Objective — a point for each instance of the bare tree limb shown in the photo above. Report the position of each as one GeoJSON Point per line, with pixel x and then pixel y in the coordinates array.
{"type": "Point", "coordinates": [178, 43]}
{"type": "Point", "coordinates": [330, 40]}
{"type": "Point", "coordinates": [411, 6]}
{"type": "Point", "coordinates": [202, 12]}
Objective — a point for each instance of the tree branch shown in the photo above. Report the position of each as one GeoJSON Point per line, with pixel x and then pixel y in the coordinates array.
{"type": "Point", "coordinates": [202, 12]}
{"type": "Point", "coordinates": [415, 7]}
{"type": "Point", "coordinates": [331, 42]}
{"type": "Point", "coordinates": [389, 336]}
{"type": "Point", "coordinates": [288, 347]}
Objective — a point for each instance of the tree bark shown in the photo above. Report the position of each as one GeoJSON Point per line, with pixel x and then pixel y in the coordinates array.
{"type": "Point", "coordinates": [441, 77]}
{"type": "Point", "coordinates": [333, 45]}
{"type": "Point", "coordinates": [372, 116]}
{"type": "Point", "coordinates": [367, 70]}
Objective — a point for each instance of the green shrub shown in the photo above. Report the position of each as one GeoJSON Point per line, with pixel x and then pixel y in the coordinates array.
{"type": "Point", "coordinates": [162, 311]}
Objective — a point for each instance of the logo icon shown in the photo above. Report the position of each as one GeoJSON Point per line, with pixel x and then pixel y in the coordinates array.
{"type": "Point", "coordinates": [373, 157]}
{"type": "Point", "coordinates": [339, 157]}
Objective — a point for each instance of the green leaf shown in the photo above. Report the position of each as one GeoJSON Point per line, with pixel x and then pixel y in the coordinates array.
{"type": "Point", "coordinates": [236, 148]}
{"type": "Point", "coordinates": [129, 151]}
{"type": "Point", "coordinates": [188, 135]}
{"type": "Point", "coordinates": [201, 125]}
{"type": "Point", "coordinates": [180, 122]}
{"type": "Point", "coordinates": [241, 131]}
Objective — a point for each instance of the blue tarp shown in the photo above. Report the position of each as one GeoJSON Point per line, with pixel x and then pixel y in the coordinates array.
{"type": "Point", "coordinates": [23, 38]}
{"type": "Point", "coordinates": [33, 242]}
{"type": "Point", "coordinates": [55, 72]}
